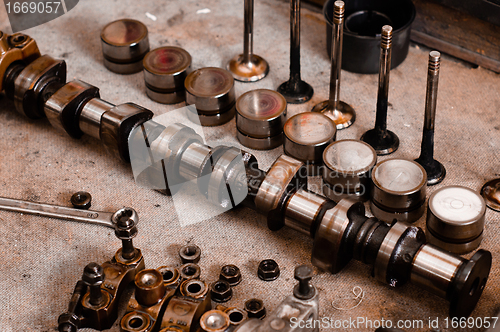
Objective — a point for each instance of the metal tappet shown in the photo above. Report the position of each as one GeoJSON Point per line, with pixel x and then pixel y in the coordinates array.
{"type": "Point", "coordinates": [397, 252]}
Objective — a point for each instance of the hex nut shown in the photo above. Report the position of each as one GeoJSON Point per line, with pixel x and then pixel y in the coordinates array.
{"type": "Point", "coordinates": [93, 274]}
{"type": "Point", "coordinates": [231, 274]}
{"type": "Point", "coordinates": [125, 221]}
{"type": "Point", "coordinates": [81, 200]}
{"type": "Point", "coordinates": [221, 291]}
{"type": "Point", "coordinates": [190, 271]}
{"type": "Point", "coordinates": [190, 253]}
{"type": "Point", "coordinates": [255, 308]}
{"type": "Point", "coordinates": [268, 270]}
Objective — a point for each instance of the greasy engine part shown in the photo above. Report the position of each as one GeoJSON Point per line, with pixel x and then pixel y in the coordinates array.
{"type": "Point", "coordinates": [211, 91]}
{"type": "Point", "coordinates": [183, 311]}
{"type": "Point", "coordinates": [221, 291]}
{"type": "Point", "coordinates": [248, 67]}
{"type": "Point", "coordinates": [81, 200]}
{"type": "Point", "coordinates": [124, 44]}
{"type": "Point", "coordinates": [455, 219]}
{"type": "Point", "coordinates": [260, 116]}
{"type": "Point", "coordinates": [15, 52]}
{"type": "Point", "coordinates": [165, 70]}
{"type": "Point", "coordinates": [491, 194]}
{"type": "Point", "coordinates": [435, 170]}
{"type": "Point", "coordinates": [255, 308]}
{"type": "Point", "coordinates": [340, 231]}
{"type": "Point", "coordinates": [231, 274]}
{"type": "Point", "coordinates": [302, 306]}
{"type": "Point", "coordinates": [190, 271]}
{"type": "Point", "coordinates": [215, 321]}
{"type": "Point", "coordinates": [341, 113]}
{"type": "Point", "coordinates": [190, 253]}
{"type": "Point", "coordinates": [237, 316]}
{"type": "Point", "coordinates": [382, 140]}
{"type": "Point", "coordinates": [268, 270]}
{"type": "Point", "coordinates": [398, 191]}
{"type": "Point", "coordinates": [153, 291]}
{"type": "Point", "coordinates": [306, 137]}
{"type": "Point", "coordinates": [347, 172]}
{"type": "Point", "coordinates": [295, 90]}
{"type": "Point", "coordinates": [95, 303]}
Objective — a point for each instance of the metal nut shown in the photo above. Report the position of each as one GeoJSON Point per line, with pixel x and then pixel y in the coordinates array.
{"type": "Point", "coordinates": [190, 271]}
{"type": "Point", "coordinates": [81, 200]}
{"type": "Point", "coordinates": [190, 253]}
{"type": "Point", "coordinates": [93, 274]}
{"type": "Point", "coordinates": [125, 221]}
{"type": "Point", "coordinates": [221, 291]}
{"type": "Point", "coordinates": [268, 270]}
{"type": "Point", "coordinates": [236, 315]}
{"type": "Point", "coordinates": [231, 274]}
{"type": "Point", "coordinates": [255, 308]}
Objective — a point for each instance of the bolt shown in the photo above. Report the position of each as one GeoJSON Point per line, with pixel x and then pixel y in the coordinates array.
{"type": "Point", "coordinates": [295, 90]}
{"type": "Point", "coordinates": [81, 200]}
{"type": "Point", "coordinates": [93, 277]}
{"type": "Point", "coordinates": [304, 290]}
{"type": "Point", "coordinates": [382, 140]}
{"type": "Point", "coordinates": [69, 321]}
{"type": "Point", "coordinates": [434, 169]}
{"type": "Point", "coordinates": [342, 114]}
{"type": "Point", "coordinates": [125, 221]}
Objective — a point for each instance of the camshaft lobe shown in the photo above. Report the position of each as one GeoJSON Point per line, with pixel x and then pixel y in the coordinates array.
{"type": "Point", "coordinates": [173, 154]}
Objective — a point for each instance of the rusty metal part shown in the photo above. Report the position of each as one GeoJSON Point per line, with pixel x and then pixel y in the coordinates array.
{"type": "Point", "coordinates": [268, 270]}
{"type": "Point", "coordinates": [36, 83]}
{"type": "Point", "coordinates": [165, 70]}
{"type": "Point", "coordinates": [64, 107]}
{"type": "Point", "coordinates": [16, 48]}
{"type": "Point", "coordinates": [211, 91]}
{"type": "Point", "coordinates": [149, 287]}
{"type": "Point", "coordinates": [93, 277]}
{"type": "Point", "coordinates": [124, 44]}
{"type": "Point", "coordinates": [255, 308]}
{"type": "Point", "coordinates": [398, 192]}
{"type": "Point", "coordinates": [125, 221]}
{"type": "Point", "coordinates": [59, 212]}
{"type": "Point", "coordinates": [190, 253]}
{"type": "Point", "coordinates": [306, 137]}
{"type": "Point", "coordinates": [434, 169]}
{"type": "Point", "coordinates": [236, 315]}
{"type": "Point", "coordinates": [231, 274]}
{"type": "Point", "coordinates": [214, 321]}
{"type": "Point", "coordinates": [117, 125]}
{"type": "Point", "coordinates": [455, 219]}
{"type": "Point", "coordinates": [347, 171]}
{"type": "Point", "coordinates": [183, 313]}
{"type": "Point", "coordinates": [295, 90]}
{"type": "Point", "coordinates": [491, 194]}
{"type": "Point", "coordinates": [190, 271]}
{"type": "Point", "coordinates": [341, 113]}
{"type": "Point", "coordinates": [248, 67]}
{"type": "Point", "coordinates": [81, 200]}
{"type": "Point", "coordinates": [382, 140]}
{"type": "Point", "coordinates": [221, 291]}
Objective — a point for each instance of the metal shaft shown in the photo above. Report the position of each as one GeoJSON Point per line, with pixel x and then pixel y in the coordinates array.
{"type": "Point", "coordinates": [427, 149]}
{"type": "Point", "coordinates": [248, 31]}
{"type": "Point", "coordinates": [383, 78]}
{"type": "Point", "coordinates": [128, 250]}
{"type": "Point", "coordinates": [59, 212]}
{"type": "Point", "coordinates": [295, 40]}
{"type": "Point", "coordinates": [337, 39]}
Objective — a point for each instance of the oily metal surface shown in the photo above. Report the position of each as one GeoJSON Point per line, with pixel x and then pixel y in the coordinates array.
{"type": "Point", "coordinates": [41, 165]}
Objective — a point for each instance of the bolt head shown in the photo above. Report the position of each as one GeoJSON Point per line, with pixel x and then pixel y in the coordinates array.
{"type": "Point", "coordinates": [93, 274]}
{"type": "Point", "coordinates": [221, 291]}
{"type": "Point", "coordinates": [303, 273]}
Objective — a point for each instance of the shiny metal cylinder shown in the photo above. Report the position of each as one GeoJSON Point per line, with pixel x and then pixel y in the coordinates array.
{"type": "Point", "coordinates": [455, 219]}
{"type": "Point", "coordinates": [211, 91]}
{"type": "Point", "coordinates": [64, 106]}
{"type": "Point", "coordinates": [149, 288]}
{"type": "Point", "coordinates": [194, 160]}
{"type": "Point", "coordinates": [306, 137]}
{"type": "Point", "coordinates": [398, 190]}
{"type": "Point", "coordinates": [433, 269]}
{"type": "Point", "coordinates": [220, 187]}
{"type": "Point", "coordinates": [165, 70]}
{"type": "Point", "coordinates": [273, 187]}
{"type": "Point", "coordinates": [386, 250]}
{"type": "Point", "coordinates": [302, 209]}
{"type": "Point", "coordinates": [260, 116]}
{"type": "Point", "coordinates": [337, 42]}
{"type": "Point", "coordinates": [214, 321]}
{"type": "Point", "coordinates": [91, 115]}
{"type": "Point", "coordinates": [124, 44]}
{"type": "Point", "coordinates": [347, 171]}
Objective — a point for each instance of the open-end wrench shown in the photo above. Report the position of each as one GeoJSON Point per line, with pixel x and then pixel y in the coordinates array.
{"type": "Point", "coordinates": [59, 212]}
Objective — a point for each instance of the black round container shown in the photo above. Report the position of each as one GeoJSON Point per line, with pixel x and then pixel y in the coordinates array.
{"type": "Point", "coordinates": [362, 25]}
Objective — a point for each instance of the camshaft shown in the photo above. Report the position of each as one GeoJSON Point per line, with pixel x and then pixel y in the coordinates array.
{"type": "Point", "coordinates": [175, 153]}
